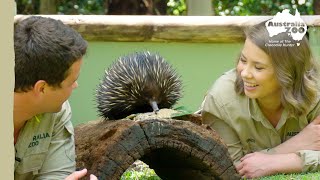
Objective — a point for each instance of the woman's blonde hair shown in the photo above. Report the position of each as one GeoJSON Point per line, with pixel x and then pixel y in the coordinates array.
{"type": "Point", "coordinates": [295, 68]}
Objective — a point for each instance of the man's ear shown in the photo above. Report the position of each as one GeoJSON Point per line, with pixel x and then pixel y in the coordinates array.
{"type": "Point", "coordinates": [40, 87]}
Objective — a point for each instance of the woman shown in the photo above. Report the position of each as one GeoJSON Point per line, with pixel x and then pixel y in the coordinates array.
{"type": "Point", "coordinates": [266, 109]}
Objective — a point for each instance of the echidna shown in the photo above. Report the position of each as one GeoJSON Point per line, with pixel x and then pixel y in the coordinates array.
{"type": "Point", "coordinates": [137, 83]}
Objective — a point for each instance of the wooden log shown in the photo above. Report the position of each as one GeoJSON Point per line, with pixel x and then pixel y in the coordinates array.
{"type": "Point", "coordinates": [175, 149]}
{"type": "Point", "coordinates": [208, 29]}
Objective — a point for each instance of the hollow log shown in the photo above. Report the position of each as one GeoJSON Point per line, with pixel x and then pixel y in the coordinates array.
{"type": "Point", "coordinates": [175, 149]}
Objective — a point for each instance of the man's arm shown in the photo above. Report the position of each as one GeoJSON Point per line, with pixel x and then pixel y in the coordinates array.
{"type": "Point", "coordinates": [60, 159]}
{"type": "Point", "coordinates": [307, 139]}
{"type": "Point", "coordinates": [79, 174]}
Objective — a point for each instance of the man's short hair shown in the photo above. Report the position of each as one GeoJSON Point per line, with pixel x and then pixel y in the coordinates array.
{"type": "Point", "coordinates": [45, 49]}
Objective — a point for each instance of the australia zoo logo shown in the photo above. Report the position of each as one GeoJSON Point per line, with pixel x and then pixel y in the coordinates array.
{"type": "Point", "coordinates": [284, 22]}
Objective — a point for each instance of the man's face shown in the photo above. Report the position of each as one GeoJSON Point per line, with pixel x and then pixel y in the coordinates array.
{"type": "Point", "coordinates": [56, 96]}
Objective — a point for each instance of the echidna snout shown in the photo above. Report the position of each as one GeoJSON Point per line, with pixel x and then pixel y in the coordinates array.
{"type": "Point", "coordinates": [137, 83]}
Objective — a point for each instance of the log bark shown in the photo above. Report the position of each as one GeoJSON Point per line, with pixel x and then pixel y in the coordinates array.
{"type": "Point", "coordinates": [175, 149]}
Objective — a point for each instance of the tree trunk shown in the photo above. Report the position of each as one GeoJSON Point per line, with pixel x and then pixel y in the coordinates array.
{"type": "Point", "coordinates": [135, 7]}
{"type": "Point", "coordinates": [48, 7]}
{"type": "Point", "coordinates": [316, 7]}
{"type": "Point", "coordinates": [160, 7]}
{"type": "Point", "coordinates": [130, 7]}
{"type": "Point", "coordinates": [175, 149]}
{"type": "Point", "coordinates": [27, 8]}
{"type": "Point", "coordinates": [200, 8]}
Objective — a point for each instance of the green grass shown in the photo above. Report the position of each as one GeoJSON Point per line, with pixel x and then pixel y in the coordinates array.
{"type": "Point", "coordinates": [143, 172]}
{"type": "Point", "coordinates": [149, 174]}
{"type": "Point", "coordinates": [306, 176]}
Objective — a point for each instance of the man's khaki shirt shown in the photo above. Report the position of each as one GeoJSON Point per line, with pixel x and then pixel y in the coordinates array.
{"type": "Point", "coordinates": [244, 128]}
{"type": "Point", "coordinates": [45, 147]}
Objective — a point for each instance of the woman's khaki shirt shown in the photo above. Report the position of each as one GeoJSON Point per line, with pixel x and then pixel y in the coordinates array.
{"type": "Point", "coordinates": [243, 127]}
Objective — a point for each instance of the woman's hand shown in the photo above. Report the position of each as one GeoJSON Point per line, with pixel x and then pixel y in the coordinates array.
{"type": "Point", "coordinates": [258, 164]}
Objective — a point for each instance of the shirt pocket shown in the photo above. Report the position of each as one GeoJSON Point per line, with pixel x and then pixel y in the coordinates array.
{"type": "Point", "coordinates": [31, 163]}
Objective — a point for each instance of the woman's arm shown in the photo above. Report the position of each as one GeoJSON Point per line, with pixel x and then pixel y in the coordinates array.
{"type": "Point", "coordinates": [227, 134]}
{"type": "Point", "coordinates": [299, 154]}
{"type": "Point", "coordinates": [307, 139]}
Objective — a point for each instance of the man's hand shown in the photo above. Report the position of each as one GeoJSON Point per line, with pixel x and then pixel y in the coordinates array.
{"type": "Point", "coordinates": [79, 174]}
{"type": "Point", "coordinates": [307, 139]}
{"type": "Point", "coordinates": [258, 164]}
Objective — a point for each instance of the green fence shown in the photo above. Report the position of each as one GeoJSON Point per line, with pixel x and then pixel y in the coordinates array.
{"type": "Point", "coordinates": [199, 64]}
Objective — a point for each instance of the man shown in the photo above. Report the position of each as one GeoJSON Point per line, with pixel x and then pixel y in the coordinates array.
{"type": "Point", "coordinates": [48, 58]}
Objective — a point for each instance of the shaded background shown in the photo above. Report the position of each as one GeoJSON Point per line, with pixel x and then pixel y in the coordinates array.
{"type": "Point", "coordinates": [166, 7]}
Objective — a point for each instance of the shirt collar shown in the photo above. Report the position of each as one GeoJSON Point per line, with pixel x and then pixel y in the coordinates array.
{"type": "Point", "coordinates": [257, 115]}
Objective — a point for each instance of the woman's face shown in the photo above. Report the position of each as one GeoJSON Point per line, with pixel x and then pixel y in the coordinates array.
{"type": "Point", "coordinates": [257, 72]}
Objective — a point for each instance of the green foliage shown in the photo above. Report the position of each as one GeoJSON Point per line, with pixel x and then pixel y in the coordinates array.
{"type": "Point", "coordinates": [145, 174]}
{"type": "Point", "coordinates": [85, 7]}
{"type": "Point", "coordinates": [246, 7]}
{"type": "Point", "coordinates": [263, 7]}
{"type": "Point", "coordinates": [68, 7]}
{"type": "Point", "coordinates": [181, 111]}
{"type": "Point", "coordinates": [179, 7]}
